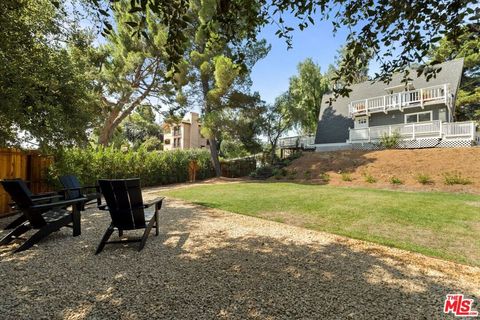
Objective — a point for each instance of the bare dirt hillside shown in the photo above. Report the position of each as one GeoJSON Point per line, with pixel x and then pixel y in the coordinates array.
{"type": "Point", "coordinates": [381, 168]}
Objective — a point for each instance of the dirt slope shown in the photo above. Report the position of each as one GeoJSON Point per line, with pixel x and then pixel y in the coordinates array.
{"type": "Point", "coordinates": [406, 165]}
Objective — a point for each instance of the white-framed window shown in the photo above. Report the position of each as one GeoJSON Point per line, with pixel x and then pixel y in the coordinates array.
{"type": "Point", "coordinates": [418, 117]}
{"type": "Point", "coordinates": [361, 122]}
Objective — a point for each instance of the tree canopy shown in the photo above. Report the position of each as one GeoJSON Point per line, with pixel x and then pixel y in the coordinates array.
{"type": "Point", "coordinates": [306, 91]}
{"type": "Point", "coordinates": [394, 33]}
{"type": "Point", "coordinates": [468, 97]}
{"type": "Point", "coordinates": [45, 84]}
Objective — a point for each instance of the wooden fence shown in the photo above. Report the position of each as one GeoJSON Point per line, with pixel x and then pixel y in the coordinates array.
{"type": "Point", "coordinates": [27, 165]}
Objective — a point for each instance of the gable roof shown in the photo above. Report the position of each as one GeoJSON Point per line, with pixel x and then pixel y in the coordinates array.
{"type": "Point", "coordinates": [451, 73]}
{"type": "Point", "coordinates": [335, 117]}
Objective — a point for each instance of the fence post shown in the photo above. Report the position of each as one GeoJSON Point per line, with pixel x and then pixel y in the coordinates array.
{"type": "Point", "coordinates": [413, 131]}
{"type": "Point", "coordinates": [440, 129]}
{"type": "Point", "coordinates": [421, 98]}
{"type": "Point", "coordinates": [369, 137]}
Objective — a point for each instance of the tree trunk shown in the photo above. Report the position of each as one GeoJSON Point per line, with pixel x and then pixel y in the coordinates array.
{"type": "Point", "coordinates": [108, 128]}
{"type": "Point", "coordinates": [214, 156]}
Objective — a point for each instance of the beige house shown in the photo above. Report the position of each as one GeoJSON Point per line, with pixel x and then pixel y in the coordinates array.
{"type": "Point", "coordinates": [184, 135]}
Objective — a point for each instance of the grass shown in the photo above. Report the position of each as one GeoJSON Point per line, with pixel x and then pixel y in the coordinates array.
{"type": "Point", "coordinates": [438, 224]}
{"type": "Point", "coordinates": [369, 178]}
{"type": "Point", "coordinates": [346, 176]}
{"type": "Point", "coordinates": [395, 181]}
{"type": "Point", "coordinates": [451, 178]}
{"type": "Point", "coordinates": [424, 179]}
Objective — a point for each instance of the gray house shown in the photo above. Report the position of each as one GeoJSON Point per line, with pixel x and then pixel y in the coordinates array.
{"type": "Point", "coordinates": [421, 112]}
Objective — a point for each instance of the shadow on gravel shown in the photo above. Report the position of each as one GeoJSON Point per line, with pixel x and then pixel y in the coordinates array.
{"type": "Point", "coordinates": [218, 276]}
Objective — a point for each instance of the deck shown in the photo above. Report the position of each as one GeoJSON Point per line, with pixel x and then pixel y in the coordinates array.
{"type": "Point", "coordinates": [408, 99]}
{"type": "Point", "coordinates": [411, 131]}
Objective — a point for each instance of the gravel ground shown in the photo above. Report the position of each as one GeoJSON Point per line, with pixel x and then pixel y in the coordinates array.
{"type": "Point", "coordinates": [210, 264]}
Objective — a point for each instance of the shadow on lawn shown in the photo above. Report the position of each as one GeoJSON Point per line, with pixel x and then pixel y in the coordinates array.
{"type": "Point", "coordinates": [219, 275]}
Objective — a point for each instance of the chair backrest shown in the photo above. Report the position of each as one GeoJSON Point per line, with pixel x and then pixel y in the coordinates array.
{"type": "Point", "coordinates": [19, 192]}
{"type": "Point", "coordinates": [71, 182]}
{"type": "Point", "coordinates": [125, 203]}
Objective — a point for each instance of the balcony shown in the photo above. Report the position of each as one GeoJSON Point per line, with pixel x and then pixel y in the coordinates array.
{"type": "Point", "coordinates": [399, 101]}
{"type": "Point", "coordinates": [412, 131]}
{"type": "Point", "coordinates": [301, 142]}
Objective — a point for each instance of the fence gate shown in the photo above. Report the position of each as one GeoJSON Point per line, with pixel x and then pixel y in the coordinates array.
{"type": "Point", "coordinates": [27, 165]}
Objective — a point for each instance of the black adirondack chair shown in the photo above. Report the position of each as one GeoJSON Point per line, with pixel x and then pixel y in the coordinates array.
{"type": "Point", "coordinates": [127, 210]}
{"type": "Point", "coordinates": [74, 190]}
{"type": "Point", "coordinates": [38, 198]}
{"type": "Point", "coordinates": [44, 217]}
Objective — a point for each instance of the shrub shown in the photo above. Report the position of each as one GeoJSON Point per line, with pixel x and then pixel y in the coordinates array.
{"type": "Point", "coordinates": [395, 180]}
{"type": "Point", "coordinates": [346, 176]}
{"type": "Point", "coordinates": [262, 172]}
{"type": "Point", "coordinates": [153, 168]}
{"type": "Point", "coordinates": [324, 177]}
{"type": "Point", "coordinates": [424, 179]}
{"type": "Point", "coordinates": [291, 174]}
{"type": "Point", "coordinates": [238, 167]}
{"type": "Point", "coordinates": [369, 178]}
{"type": "Point", "coordinates": [451, 178]}
{"type": "Point", "coordinates": [390, 141]}
{"type": "Point", "coordinates": [307, 174]}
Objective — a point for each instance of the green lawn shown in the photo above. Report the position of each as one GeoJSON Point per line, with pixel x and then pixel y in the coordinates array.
{"type": "Point", "coordinates": [437, 224]}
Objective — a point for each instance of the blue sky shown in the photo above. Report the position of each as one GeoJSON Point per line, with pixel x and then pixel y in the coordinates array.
{"type": "Point", "coordinates": [271, 75]}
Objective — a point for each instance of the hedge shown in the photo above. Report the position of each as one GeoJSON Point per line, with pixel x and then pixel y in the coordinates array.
{"type": "Point", "coordinates": [238, 167]}
{"type": "Point", "coordinates": [153, 168]}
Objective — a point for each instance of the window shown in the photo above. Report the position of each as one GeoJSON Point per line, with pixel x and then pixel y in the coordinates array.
{"type": "Point", "coordinates": [167, 141]}
{"type": "Point", "coordinates": [176, 131]}
{"type": "Point", "coordinates": [418, 117]}
{"type": "Point", "coordinates": [361, 122]}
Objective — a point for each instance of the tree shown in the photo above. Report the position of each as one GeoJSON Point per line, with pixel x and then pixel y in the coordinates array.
{"type": "Point", "coordinates": [306, 91]}
{"type": "Point", "coordinates": [358, 74]}
{"type": "Point", "coordinates": [277, 119]}
{"type": "Point", "coordinates": [133, 70]}
{"type": "Point", "coordinates": [140, 127]}
{"type": "Point", "coordinates": [395, 33]}
{"type": "Point", "coordinates": [45, 87]}
{"type": "Point", "coordinates": [218, 84]}
{"type": "Point", "coordinates": [468, 98]}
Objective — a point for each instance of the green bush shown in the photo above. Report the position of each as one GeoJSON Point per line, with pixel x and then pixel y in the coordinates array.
{"type": "Point", "coordinates": [424, 178]}
{"type": "Point", "coordinates": [153, 168]}
{"type": "Point", "coordinates": [325, 177]}
{"type": "Point", "coordinates": [346, 176]}
{"type": "Point", "coordinates": [451, 178]}
{"type": "Point", "coordinates": [390, 141]}
{"type": "Point", "coordinates": [238, 167]}
{"type": "Point", "coordinates": [395, 180]}
{"type": "Point", "coordinates": [262, 172]}
{"type": "Point", "coordinates": [369, 178]}
{"type": "Point", "coordinates": [307, 175]}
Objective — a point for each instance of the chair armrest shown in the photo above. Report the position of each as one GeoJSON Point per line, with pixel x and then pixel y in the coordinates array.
{"type": "Point", "coordinates": [58, 196]}
{"type": "Point", "coordinates": [58, 203]}
{"type": "Point", "coordinates": [91, 187]}
{"type": "Point", "coordinates": [103, 207]}
{"type": "Point", "coordinates": [43, 194]}
{"type": "Point", "coordinates": [152, 202]}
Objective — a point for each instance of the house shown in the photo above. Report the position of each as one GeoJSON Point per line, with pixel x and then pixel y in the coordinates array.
{"type": "Point", "coordinates": [184, 135]}
{"type": "Point", "coordinates": [421, 113]}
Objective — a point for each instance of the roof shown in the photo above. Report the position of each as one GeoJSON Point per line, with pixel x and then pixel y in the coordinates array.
{"type": "Point", "coordinates": [335, 116]}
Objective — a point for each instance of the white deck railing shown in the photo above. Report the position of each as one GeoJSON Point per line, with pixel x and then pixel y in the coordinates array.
{"type": "Point", "coordinates": [401, 100]}
{"type": "Point", "coordinates": [296, 142]}
{"type": "Point", "coordinates": [412, 131]}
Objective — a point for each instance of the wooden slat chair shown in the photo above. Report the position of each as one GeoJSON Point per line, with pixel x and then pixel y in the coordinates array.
{"type": "Point", "coordinates": [38, 198]}
{"type": "Point", "coordinates": [73, 190]}
{"type": "Point", "coordinates": [45, 217]}
{"type": "Point", "coordinates": [127, 210]}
